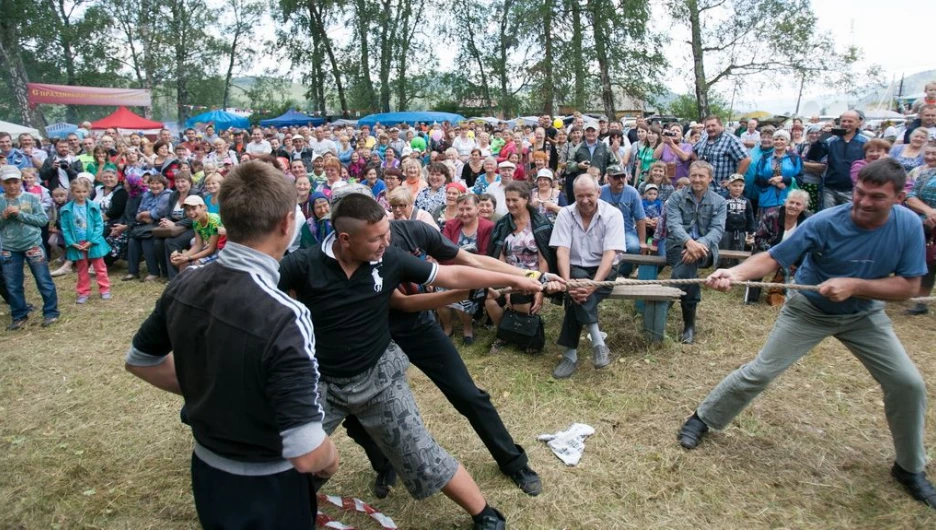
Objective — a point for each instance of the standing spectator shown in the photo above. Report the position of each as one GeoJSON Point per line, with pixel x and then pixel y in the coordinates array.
{"type": "Point", "coordinates": [724, 153]}
{"type": "Point", "coordinates": [588, 237]}
{"type": "Point", "coordinates": [775, 172]}
{"type": "Point", "coordinates": [910, 155]}
{"type": "Point", "coordinates": [591, 153]}
{"type": "Point", "coordinates": [695, 224]}
{"type": "Point", "coordinates": [83, 232]}
{"type": "Point", "coordinates": [840, 152]}
{"type": "Point", "coordinates": [750, 137]}
{"type": "Point", "coordinates": [14, 156]}
{"type": "Point", "coordinates": [60, 168]}
{"type": "Point", "coordinates": [675, 153]}
{"type": "Point", "coordinates": [21, 222]}
{"type": "Point", "coordinates": [258, 146]}
{"type": "Point", "coordinates": [463, 144]}
{"type": "Point", "coordinates": [740, 223]}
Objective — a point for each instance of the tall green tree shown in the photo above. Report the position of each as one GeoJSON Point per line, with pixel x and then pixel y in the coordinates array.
{"type": "Point", "coordinates": [243, 17]}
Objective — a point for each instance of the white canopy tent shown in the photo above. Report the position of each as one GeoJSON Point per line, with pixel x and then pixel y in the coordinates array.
{"type": "Point", "coordinates": [15, 130]}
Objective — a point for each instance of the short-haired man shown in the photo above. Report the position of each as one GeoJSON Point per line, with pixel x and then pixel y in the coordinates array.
{"type": "Point", "coordinates": [321, 145]}
{"type": "Point", "coordinates": [724, 152]}
{"type": "Point", "coordinates": [61, 167]}
{"type": "Point", "coordinates": [840, 153]}
{"type": "Point", "coordinates": [927, 120]}
{"type": "Point", "coordinates": [33, 152]}
{"type": "Point", "coordinates": [242, 355]}
{"type": "Point", "coordinates": [14, 156]}
{"type": "Point", "coordinates": [618, 193]}
{"type": "Point", "coordinates": [191, 140]}
{"type": "Point", "coordinates": [591, 153]}
{"type": "Point", "coordinates": [346, 282]}
{"type": "Point", "coordinates": [588, 237]}
{"type": "Point", "coordinates": [750, 137]}
{"type": "Point", "coordinates": [858, 255]}
{"type": "Point", "coordinates": [695, 224]}
{"type": "Point", "coordinates": [258, 146]}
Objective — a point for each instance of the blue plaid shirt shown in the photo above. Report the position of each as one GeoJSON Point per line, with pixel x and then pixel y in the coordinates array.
{"type": "Point", "coordinates": [724, 154]}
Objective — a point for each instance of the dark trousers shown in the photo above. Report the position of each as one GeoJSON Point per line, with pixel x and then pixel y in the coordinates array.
{"type": "Point", "coordinates": [224, 501]}
{"type": "Point", "coordinates": [166, 246]}
{"type": "Point", "coordinates": [147, 247]}
{"type": "Point", "coordinates": [586, 313]}
{"type": "Point", "coordinates": [430, 350]}
{"type": "Point", "coordinates": [682, 271]}
{"type": "Point", "coordinates": [4, 293]}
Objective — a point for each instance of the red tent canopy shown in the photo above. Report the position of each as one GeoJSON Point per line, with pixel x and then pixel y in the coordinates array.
{"type": "Point", "coordinates": [122, 118]}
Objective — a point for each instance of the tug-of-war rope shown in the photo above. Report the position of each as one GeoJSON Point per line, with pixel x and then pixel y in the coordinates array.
{"type": "Point", "coordinates": [691, 281]}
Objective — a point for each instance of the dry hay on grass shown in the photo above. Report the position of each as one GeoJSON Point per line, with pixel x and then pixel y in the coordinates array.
{"type": "Point", "coordinates": [85, 445]}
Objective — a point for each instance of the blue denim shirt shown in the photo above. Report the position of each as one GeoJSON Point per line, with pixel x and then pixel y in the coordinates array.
{"type": "Point", "coordinates": [689, 218]}
{"type": "Point", "coordinates": [156, 205]}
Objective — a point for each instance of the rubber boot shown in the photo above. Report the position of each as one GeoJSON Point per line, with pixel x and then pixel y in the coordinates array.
{"type": "Point", "coordinates": [688, 316]}
{"type": "Point", "coordinates": [752, 295]}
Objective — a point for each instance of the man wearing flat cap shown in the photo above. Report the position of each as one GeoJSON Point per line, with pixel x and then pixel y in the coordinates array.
{"type": "Point", "coordinates": [590, 153]}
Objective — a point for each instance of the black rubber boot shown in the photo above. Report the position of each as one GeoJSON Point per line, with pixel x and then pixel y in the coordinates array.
{"type": "Point", "coordinates": [752, 295]}
{"type": "Point", "coordinates": [688, 316]}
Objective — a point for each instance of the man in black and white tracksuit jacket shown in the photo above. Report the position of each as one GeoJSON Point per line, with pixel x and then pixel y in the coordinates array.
{"type": "Point", "coordinates": [241, 353]}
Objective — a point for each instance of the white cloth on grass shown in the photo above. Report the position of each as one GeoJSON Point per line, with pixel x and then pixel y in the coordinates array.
{"type": "Point", "coordinates": [570, 443]}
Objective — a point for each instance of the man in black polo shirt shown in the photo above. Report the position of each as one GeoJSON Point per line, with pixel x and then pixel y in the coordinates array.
{"type": "Point", "coordinates": [243, 359]}
{"type": "Point", "coordinates": [346, 282]}
{"type": "Point", "coordinates": [426, 345]}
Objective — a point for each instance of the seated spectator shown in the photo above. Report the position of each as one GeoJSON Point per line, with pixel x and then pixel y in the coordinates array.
{"type": "Point", "coordinates": [209, 235]}
{"type": "Point", "coordinates": [412, 172]}
{"type": "Point", "coordinates": [597, 228]}
{"type": "Point", "coordinates": [496, 189]}
{"type": "Point", "coordinates": [153, 206]}
{"type": "Point", "coordinates": [377, 187]}
{"type": "Point", "coordinates": [618, 193]}
{"type": "Point", "coordinates": [773, 228]}
{"type": "Point", "coordinates": [487, 207]}
{"type": "Point", "coordinates": [119, 221]}
{"type": "Point", "coordinates": [545, 196]}
{"type": "Point", "coordinates": [449, 210]}
{"type": "Point", "coordinates": [695, 224]}
{"type": "Point", "coordinates": [212, 188]}
{"type": "Point", "coordinates": [432, 196]}
{"type": "Point", "coordinates": [652, 206]}
{"type": "Point", "coordinates": [175, 233]}
{"type": "Point", "coordinates": [332, 178]}
{"type": "Point", "coordinates": [473, 169]}
{"type": "Point", "coordinates": [317, 226]}
{"type": "Point", "coordinates": [910, 155]}
{"type": "Point", "coordinates": [874, 149]}
{"type": "Point", "coordinates": [490, 176]}
{"type": "Point", "coordinates": [402, 207]}
{"type": "Point", "coordinates": [922, 200]}
{"type": "Point", "coordinates": [471, 234]}
{"type": "Point", "coordinates": [82, 230]}
{"type": "Point", "coordinates": [657, 176]}
{"type": "Point", "coordinates": [521, 239]}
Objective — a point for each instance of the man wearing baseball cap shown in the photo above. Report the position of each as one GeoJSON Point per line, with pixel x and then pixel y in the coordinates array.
{"type": "Point", "coordinates": [590, 153]}
{"type": "Point", "coordinates": [21, 222]}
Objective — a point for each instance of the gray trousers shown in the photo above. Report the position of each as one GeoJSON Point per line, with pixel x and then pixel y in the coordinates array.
{"type": "Point", "coordinates": [869, 336]}
{"type": "Point", "coordinates": [832, 198]}
{"type": "Point", "coordinates": [382, 401]}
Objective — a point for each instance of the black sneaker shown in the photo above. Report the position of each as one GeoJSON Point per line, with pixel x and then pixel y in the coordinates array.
{"type": "Point", "coordinates": [916, 484]}
{"type": "Point", "coordinates": [17, 324]}
{"type": "Point", "coordinates": [386, 479]}
{"type": "Point", "coordinates": [528, 481]}
{"type": "Point", "coordinates": [491, 522]}
{"type": "Point", "coordinates": [691, 433]}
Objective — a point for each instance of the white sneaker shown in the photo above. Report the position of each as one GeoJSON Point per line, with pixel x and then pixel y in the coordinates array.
{"type": "Point", "coordinates": [604, 336]}
{"type": "Point", "coordinates": [62, 271]}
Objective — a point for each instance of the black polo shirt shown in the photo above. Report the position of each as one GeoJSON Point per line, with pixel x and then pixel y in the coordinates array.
{"type": "Point", "coordinates": [352, 329]}
{"type": "Point", "coordinates": [420, 240]}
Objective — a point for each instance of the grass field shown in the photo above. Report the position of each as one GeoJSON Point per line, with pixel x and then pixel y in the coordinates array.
{"type": "Point", "coordinates": [85, 445]}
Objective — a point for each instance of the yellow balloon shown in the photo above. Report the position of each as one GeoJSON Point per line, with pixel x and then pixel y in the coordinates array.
{"type": "Point", "coordinates": [558, 123]}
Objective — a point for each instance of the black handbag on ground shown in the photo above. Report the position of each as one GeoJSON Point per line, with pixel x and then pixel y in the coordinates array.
{"type": "Point", "coordinates": [525, 331]}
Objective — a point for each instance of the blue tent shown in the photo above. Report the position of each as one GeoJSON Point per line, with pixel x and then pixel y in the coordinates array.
{"type": "Point", "coordinates": [60, 130]}
{"type": "Point", "coordinates": [393, 118]}
{"type": "Point", "coordinates": [291, 118]}
{"type": "Point", "coordinates": [220, 119]}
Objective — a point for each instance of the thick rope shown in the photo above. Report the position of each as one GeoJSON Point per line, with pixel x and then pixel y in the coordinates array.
{"type": "Point", "coordinates": [694, 281]}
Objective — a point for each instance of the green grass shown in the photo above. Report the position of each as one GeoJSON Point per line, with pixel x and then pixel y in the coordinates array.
{"type": "Point", "coordinates": [85, 445]}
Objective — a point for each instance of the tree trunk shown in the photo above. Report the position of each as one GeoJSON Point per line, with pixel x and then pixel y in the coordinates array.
{"type": "Point", "coordinates": [701, 85]}
{"type": "Point", "coordinates": [387, 40]}
{"type": "Point", "coordinates": [578, 64]}
{"type": "Point", "coordinates": [318, 22]}
{"type": "Point", "coordinates": [408, 24]}
{"type": "Point", "coordinates": [548, 84]}
{"type": "Point", "coordinates": [10, 58]}
{"type": "Point", "coordinates": [319, 82]}
{"type": "Point", "coordinates": [181, 58]}
{"type": "Point", "coordinates": [601, 53]}
{"type": "Point", "coordinates": [363, 21]}
{"type": "Point", "coordinates": [230, 72]}
{"type": "Point", "coordinates": [504, 42]}
{"type": "Point", "coordinates": [65, 38]}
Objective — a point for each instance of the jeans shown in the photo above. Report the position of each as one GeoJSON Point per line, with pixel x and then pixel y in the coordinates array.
{"type": "Point", "coordinates": [682, 271]}
{"type": "Point", "coordinates": [433, 353]}
{"type": "Point", "coordinates": [831, 198]}
{"type": "Point", "coordinates": [632, 243]}
{"type": "Point", "coordinates": [13, 261]}
{"type": "Point", "coordinates": [869, 336]}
